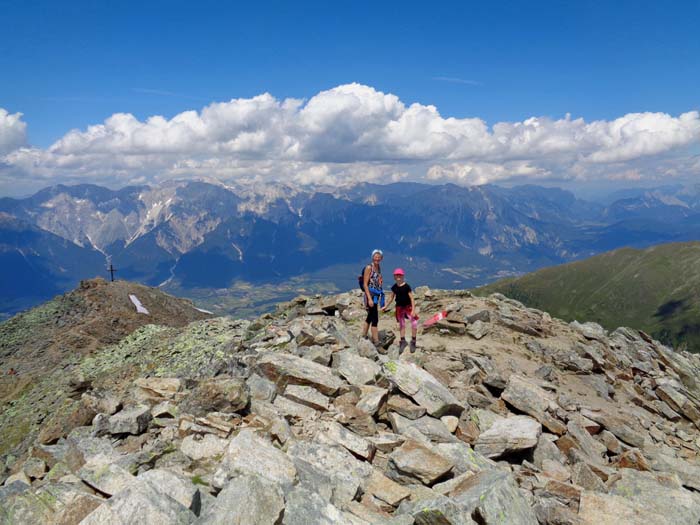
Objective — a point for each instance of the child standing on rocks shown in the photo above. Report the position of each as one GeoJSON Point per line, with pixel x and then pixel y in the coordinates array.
{"type": "Point", "coordinates": [405, 308]}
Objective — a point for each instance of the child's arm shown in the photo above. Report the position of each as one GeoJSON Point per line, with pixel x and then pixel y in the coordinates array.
{"type": "Point", "coordinates": [388, 302]}
{"type": "Point", "coordinates": [413, 304]}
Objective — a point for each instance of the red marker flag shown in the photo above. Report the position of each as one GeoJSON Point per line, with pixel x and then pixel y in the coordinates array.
{"type": "Point", "coordinates": [434, 319]}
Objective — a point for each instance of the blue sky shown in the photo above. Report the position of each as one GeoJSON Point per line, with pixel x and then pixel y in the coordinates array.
{"type": "Point", "coordinates": [71, 65]}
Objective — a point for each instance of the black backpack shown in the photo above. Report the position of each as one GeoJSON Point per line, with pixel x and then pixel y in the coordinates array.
{"type": "Point", "coordinates": [361, 279]}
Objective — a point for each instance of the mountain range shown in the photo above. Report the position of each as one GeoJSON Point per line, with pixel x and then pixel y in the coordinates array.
{"type": "Point", "coordinates": [199, 238]}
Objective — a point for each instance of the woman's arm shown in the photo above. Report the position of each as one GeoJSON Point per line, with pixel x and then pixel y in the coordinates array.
{"type": "Point", "coordinates": [365, 278]}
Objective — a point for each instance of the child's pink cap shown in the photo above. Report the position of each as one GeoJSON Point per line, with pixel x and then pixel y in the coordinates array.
{"type": "Point", "coordinates": [399, 271]}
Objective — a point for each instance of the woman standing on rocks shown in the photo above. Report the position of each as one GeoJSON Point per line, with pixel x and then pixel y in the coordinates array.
{"type": "Point", "coordinates": [373, 294]}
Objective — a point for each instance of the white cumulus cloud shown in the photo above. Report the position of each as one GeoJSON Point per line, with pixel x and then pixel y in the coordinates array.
{"type": "Point", "coordinates": [13, 131]}
{"type": "Point", "coordinates": [352, 133]}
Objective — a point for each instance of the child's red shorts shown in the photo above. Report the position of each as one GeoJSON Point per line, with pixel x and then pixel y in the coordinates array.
{"type": "Point", "coordinates": [404, 312]}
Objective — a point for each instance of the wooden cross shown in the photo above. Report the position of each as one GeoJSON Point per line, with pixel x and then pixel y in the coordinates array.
{"type": "Point", "coordinates": [111, 271]}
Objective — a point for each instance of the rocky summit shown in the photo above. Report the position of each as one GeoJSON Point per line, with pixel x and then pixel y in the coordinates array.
{"type": "Point", "coordinates": [503, 415]}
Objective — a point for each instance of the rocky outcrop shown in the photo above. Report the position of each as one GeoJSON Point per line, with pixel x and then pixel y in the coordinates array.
{"type": "Point", "coordinates": [502, 415]}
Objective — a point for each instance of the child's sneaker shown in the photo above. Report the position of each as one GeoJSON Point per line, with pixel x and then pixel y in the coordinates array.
{"type": "Point", "coordinates": [402, 345]}
{"type": "Point", "coordinates": [413, 346]}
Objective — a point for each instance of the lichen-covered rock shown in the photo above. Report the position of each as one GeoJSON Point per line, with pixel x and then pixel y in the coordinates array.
{"type": "Point", "coordinates": [492, 497]}
{"type": "Point", "coordinates": [247, 499]}
{"type": "Point", "coordinates": [418, 461]}
{"type": "Point", "coordinates": [329, 470]}
{"type": "Point", "coordinates": [53, 503]}
{"type": "Point", "coordinates": [339, 435]}
{"type": "Point", "coordinates": [252, 454]}
{"type": "Point", "coordinates": [159, 388]}
{"type": "Point", "coordinates": [355, 369]}
{"type": "Point", "coordinates": [534, 401]}
{"type": "Point", "coordinates": [132, 420]}
{"type": "Point", "coordinates": [177, 487]}
{"type": "Point", "coordinates": [425, 390]}
{"type": "Point", "coordinates": [238, 400]}
{"type": "Point", "coordinates": [107, 478]}
{"type": "Point", "coordinates": [371, 399]}
{"type": "Point", "coordinates": [431, 428]}
{"type": "Point", "coordinates": [140, 503]}
{"type": "Point", "coordinates": [659, 494]}
{"type": "Point", "coordinates": [308, 396]}
{"type": "Point", "coordinates": [379, 486]}
{"type": "Point", "coordinates": [508, 435]}
{"type": "Point", "coordinates": [288, 369]}
{"type": "Point", "coordinates": [203, 446]}
{"type": "Point", "coordinates": [217, 394]}
{"type": "Point", "coordinates": [304, 507]}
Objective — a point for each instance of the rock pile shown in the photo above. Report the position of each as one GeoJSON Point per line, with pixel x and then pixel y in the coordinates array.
{"type": "Point", "coordinates": [503, 416]}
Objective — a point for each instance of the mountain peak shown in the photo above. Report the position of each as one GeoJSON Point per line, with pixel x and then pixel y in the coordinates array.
{"type": "Point", "coordinates": [502, 415]}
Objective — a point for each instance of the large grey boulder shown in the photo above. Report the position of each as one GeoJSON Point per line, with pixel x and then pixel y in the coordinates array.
{"type": "Point", "coordinates": [591, 448]}
{"type": "Point", "coordinates": [140, 503]}
{"type": "Point", "coordinates": [418, 461]}
{"type": "Point", "coordinates": [689, 473]}
{"type": "Point", "coordinates": [431, 428]}
{"type": "Point", "coordinates": [596, 508]}
{"type": "Point", "coordinates": [464, 458]}
{"type": "Point", "coordinates": [286, 369]}
{"type": "Point", "coordinates": [53, 503]}
{"type": "Point", "coordinates": [246, 500]}
{"type": "Point", "coordinates": [533, 400]}
{"type": "Point", "coordinates": [107, 478]}
{"type": "Point", "coordinates": [355, 369]}
{"type": "Point", "coordinates": [218, 394]}
{"type": "Point", "coordinates": [589, 330]}
{"type": "Point", "coordinates": [307, 395]}
{"type": "Point", "coordinates": [202, 446]}
{"type": "Point", "coordinates": [329, 470]}
{"type": "Point", "coordinates": [622, 425]}
{"type": "Point", "coordinates": [659, 494]}
{"type": "Point", "coordinates": [405, 407]}
{"type": "Point", "coordinates": [385, 489]}
{"type": "Point", "coordinates": [425, 390]}
{"type": "Point", "coordinates": [492, 497]}
{"type": "Point", "coordinates": [508, 435]}
{"type": "Point", "coordinates": [249, 453]}
{"type": "Point", "coordinates": [180, 488]}
{"type": "Point", "coordinates": [371, 399]}
{"type": "Point", "coordinates": [132, 420]}
{"type": "Point", "coordinates": [437, 510]}
{"type": "Point", "coordinates": [305, 507]}
{"type": "Point", "coordinates": [337, 434]}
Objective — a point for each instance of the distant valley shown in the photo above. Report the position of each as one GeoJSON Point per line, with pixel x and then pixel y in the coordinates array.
{"type": "Point", "coordinates": [237, 249]}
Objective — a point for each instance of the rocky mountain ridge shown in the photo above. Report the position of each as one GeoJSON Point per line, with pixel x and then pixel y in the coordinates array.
{"type": "Point", "coordinates": [503, 415]}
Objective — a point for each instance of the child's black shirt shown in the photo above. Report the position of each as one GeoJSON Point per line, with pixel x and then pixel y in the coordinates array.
{"type": "Point", "coordinates": [401, 292]}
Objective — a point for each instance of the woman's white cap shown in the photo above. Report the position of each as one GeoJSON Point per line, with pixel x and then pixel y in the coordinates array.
{"type": "Point", "coordinates": [377, 251]}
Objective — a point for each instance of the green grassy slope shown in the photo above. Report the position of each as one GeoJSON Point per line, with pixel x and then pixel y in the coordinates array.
{"type": "Point", "coordinates": [656, 290]}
